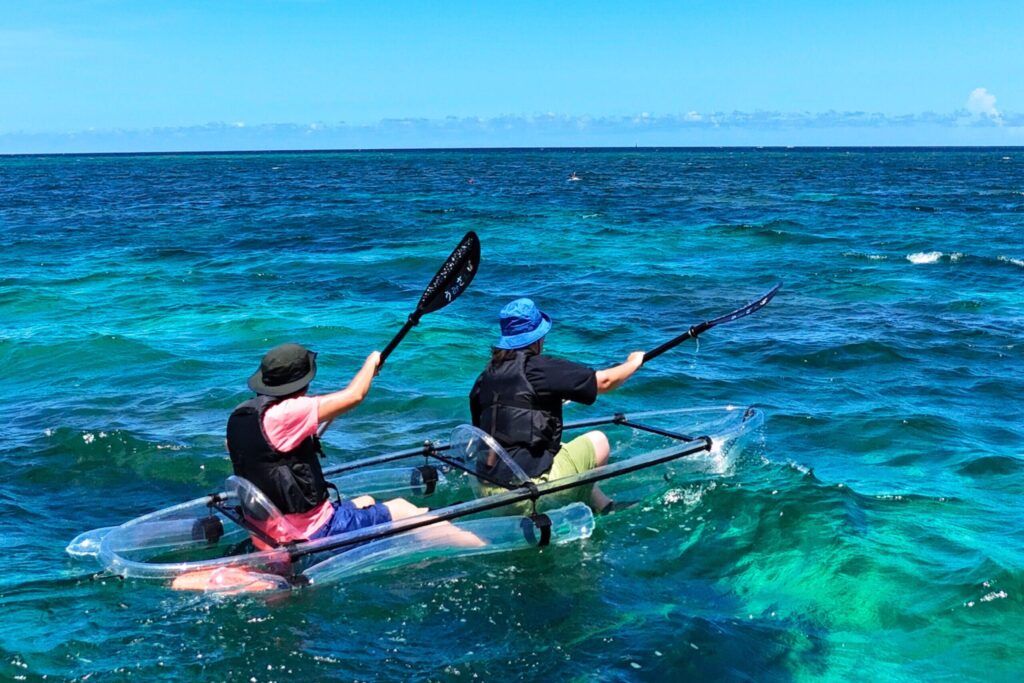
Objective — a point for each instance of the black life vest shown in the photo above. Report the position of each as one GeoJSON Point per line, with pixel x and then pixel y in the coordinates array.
{"type": "Point", "coordinates": [514, 415]}
{"type": "Point", "coordinates": [293, 481]}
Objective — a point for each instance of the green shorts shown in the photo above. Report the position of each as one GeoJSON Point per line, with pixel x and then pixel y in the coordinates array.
{"type": "Point", "coordinates": [574, 457]}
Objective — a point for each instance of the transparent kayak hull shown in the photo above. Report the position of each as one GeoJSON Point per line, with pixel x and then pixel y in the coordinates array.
{"type": "Point", "coordinates": [573, 522]}
{"type": "Point", "coordinates": [382, 483]}
{"type": "Point", "coordinates": [204, 544]}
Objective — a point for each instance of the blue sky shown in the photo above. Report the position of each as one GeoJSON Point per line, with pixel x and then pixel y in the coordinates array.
{"type": "Point", "coordinates": [112, 75]}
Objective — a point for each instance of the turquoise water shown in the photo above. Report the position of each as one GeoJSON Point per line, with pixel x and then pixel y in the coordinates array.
{"type": "Point", "coordinates": [875, 531]}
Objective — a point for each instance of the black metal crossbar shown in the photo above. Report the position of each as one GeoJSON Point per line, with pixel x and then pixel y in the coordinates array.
{"type": "Point", "coordinates": [525, 493]}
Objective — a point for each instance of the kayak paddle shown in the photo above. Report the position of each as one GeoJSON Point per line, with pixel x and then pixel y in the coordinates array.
{"type": "Point", "coordinates": [451, 280]}
{"type": "Point", "coordinates": [752, 307]}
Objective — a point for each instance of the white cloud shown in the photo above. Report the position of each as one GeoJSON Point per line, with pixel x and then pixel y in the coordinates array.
{"type": "Point", "coordinates": [979, 123]}
{"type": "Point", "coordinates": [983, 103]}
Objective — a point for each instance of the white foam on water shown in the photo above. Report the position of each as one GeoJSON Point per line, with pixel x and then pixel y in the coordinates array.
{"type": "Point", "coordinates": [924, 257]}
{"type": "Point", "coordinates": [859, 254]}
{"type": "Point", "coordinates": [802, 469]}
{"type": "Point", "coordinates": [688, 496]}
{"type": "Point", "coordinates": [994, 595]}
{"type": "Point", "coordinates": [718, 458]}
{"type": "Point", "coordinates": [1014, 261]}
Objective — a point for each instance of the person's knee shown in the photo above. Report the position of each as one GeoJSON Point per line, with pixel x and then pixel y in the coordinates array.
{"type": "Point", "coordinates": [363, 501]}
{"type": "Point", "coordinates": [601, 446]}
{"type": "Point", "coordinates": [400, 508]}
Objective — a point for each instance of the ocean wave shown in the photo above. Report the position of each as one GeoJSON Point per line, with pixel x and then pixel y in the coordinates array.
{"type": "Point", "coordinates": [816, 197]}
{"type": "Point", "coordinates": [864, 255]}
{"type": "Point", "coordinates": [881, 428]}
{"type": "Point", "coordinates": [925, 257]}
{"type": "Point", "coordinates": [780, 231]}
{"type": "Point", "coordinates": [992, 465]}
{"type": "Point", "coordinates": [99, 459]}
{"type": "Point", "coordinates": [991, 582]}
{"type": "Point", "coordinates": [851, 355]}
{"type": "Point", "coordinates": [932, 257]}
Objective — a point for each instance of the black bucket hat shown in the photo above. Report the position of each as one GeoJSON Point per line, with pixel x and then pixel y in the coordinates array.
{"type": "Point", "coordinates": [284, 370]}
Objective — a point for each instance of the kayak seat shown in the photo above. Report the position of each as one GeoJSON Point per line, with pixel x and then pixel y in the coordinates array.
{"type": "Point", "coordinates": [478, 449]}
{"type": "Point", "coordinates": [258, 510]}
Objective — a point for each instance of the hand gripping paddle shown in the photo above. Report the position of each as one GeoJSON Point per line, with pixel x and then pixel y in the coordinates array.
{"type": "Point", "coordinates": [451, 280]}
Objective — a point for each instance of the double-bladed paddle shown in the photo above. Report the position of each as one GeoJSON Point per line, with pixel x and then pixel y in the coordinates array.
{"type": "Point", "coordinates": [742, 312]}
{"type": "Point", "coordinates": [451, 280]}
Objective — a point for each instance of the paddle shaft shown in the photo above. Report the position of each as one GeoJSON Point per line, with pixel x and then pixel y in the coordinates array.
{"type": "Point", "coordinates": [742, 312]}
{"type": "Point", "coordinates": [412, 321]}
{"type": "Point", "coordinates": [451, 280]}
{"type": "Point", "coordinates": [672, 343]}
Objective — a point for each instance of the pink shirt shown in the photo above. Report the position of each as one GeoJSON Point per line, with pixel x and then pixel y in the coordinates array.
{"type": "Point", "coordinates": [286, 424]}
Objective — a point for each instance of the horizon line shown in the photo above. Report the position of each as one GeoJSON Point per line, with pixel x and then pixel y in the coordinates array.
{"type": "Point", "coordinates": [512, 148]}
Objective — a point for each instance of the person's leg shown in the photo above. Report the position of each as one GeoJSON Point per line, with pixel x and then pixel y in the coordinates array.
{"type": "Point", "coordinates": [601, 446]}
{"type": "Point", "coordinates": [402, 509]}
{"type": "Point", "coordinates": [598, 500]}
{"type": "Point", "coordinates": [578, 456]}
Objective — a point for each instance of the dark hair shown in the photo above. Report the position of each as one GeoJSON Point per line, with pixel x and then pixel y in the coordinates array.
{"type": "Point", "coordinates": [499, 356]}
{"type": "Point", "coordinates": [295, 394]}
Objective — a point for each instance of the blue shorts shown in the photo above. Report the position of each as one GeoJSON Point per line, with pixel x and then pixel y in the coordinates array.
{"type": "Point", "coordinates": [347, 517]}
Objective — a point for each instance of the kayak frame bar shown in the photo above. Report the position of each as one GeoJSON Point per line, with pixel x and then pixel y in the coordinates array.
{"type": "Point", "coordinates": [426, 450]}
{"type": "Point", "coordinates": [239, 519]}
{"type": "Point", "coordinates": [527, 492]}
{"type": "Point", "coordinates": [655, 430]}
{"type": "Point", "coordinates": [429, 448]}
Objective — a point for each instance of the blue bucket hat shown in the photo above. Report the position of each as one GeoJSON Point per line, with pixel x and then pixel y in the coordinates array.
{"type": "Point", "coordinates": [522, 323]}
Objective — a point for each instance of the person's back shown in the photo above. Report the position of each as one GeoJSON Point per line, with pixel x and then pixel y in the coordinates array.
{"type": "Point", "coordinates": [518, 400]}
{"type": "Point", "coordinates": [273, 443]}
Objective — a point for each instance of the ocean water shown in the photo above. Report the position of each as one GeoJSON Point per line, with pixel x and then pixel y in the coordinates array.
{"type": "Point", "coordinates": [874, 531]}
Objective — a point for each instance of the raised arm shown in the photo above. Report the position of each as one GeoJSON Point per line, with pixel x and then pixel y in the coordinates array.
{"type": "Point", "coordinates": [614, 377]}
{"type": "Point", "coordinates": [333, 405]}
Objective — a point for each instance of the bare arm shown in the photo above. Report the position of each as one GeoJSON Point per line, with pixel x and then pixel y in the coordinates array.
{"type": "Point", "coordinates": [333, 405]}
{"type": "Point", "coordinates": [614, 377]}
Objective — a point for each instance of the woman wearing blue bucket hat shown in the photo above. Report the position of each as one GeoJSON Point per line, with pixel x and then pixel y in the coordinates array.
{"type": "Point", "coordinates": [518, 400]}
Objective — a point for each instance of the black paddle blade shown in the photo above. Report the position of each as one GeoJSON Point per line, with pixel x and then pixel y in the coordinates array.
{"type": "Point", "coordinates": [454, 276]}
{"type": "Point", "coordinates": [752, 307]}
{"type": "Point", "coordinates": [742, 312]}
{"type": "Point", "coordinates": [451, 280]}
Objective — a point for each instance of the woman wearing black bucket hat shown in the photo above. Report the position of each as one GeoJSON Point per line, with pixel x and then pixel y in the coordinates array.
{"type": "Point", "coordinates": [273, 443]}
{"type": "Point", "coordinates": [518, 400]}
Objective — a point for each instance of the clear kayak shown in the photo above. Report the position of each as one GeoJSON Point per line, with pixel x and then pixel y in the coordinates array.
{"type": "Point", "coordinates": [210, 543]}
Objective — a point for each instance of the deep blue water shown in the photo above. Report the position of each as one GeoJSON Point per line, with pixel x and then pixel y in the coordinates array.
{"type": "Point", "coordinates": [875, 532]}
